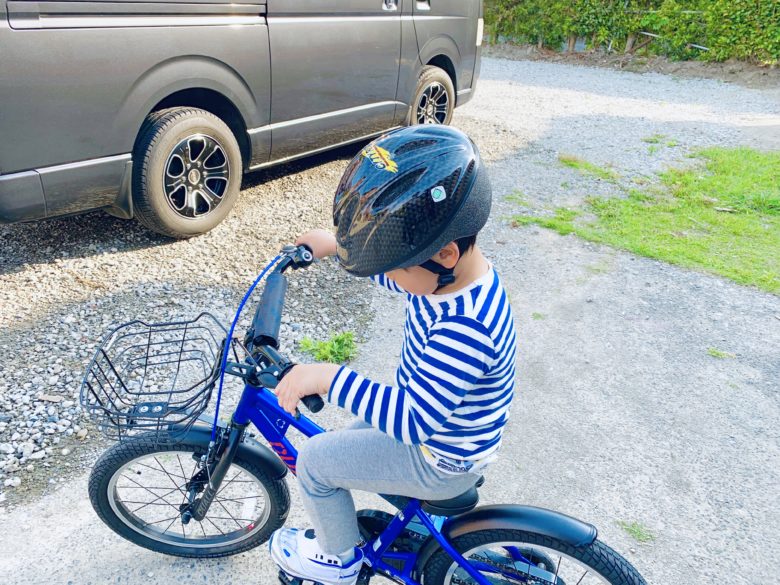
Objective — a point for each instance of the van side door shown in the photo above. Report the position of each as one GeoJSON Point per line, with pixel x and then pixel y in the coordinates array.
{"type": "Point", "coordinates": [334, 71]}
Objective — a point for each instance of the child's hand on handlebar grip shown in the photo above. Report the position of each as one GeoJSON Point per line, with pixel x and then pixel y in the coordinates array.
{"type": "Point", "coordinates": [303, 380]}
{"type": "Point", "coordinates": [321, 242]}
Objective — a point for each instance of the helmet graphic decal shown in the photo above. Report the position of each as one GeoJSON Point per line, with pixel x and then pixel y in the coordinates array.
{"type": "Point", "coordinates": [380, 157]}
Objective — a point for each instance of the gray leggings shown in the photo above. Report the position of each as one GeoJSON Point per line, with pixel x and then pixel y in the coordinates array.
{"type": "Point", "coordinates": [364, 458]}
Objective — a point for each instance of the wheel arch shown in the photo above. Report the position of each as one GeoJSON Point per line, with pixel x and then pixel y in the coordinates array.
{"type": "Point", "coordinates": [194, 81]}
{"type": "Point", "coordinates": [444, 62]}
{"type": "Point", "coordinates": [512, 517]}
{"type": "Point", "coordinates": [216, 103]}
{"type": "Point", "coordinates": [442, 51]}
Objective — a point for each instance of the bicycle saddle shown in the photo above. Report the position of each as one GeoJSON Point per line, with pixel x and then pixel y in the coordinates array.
{"type": "Point", "coordinates": [458, 505]}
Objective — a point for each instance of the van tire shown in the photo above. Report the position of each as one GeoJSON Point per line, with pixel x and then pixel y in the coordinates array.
{"type": "Point", "coordinates": [431, 80]}
{"type": "Point", "coordinates": [164, 134]}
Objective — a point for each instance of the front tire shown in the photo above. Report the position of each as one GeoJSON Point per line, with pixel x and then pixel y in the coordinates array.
{"type": "Point", "coordinates": [553, 561]}
{"type": "Point", "coordinates": [137, 487]}
{"type": "Point", "coordinates": [187, 172]}
{"type": "Point", "coordinates": [434, 98]}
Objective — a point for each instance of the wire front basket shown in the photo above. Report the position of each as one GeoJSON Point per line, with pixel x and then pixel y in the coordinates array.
{"type": "Point", "coordinates": [154, 380]}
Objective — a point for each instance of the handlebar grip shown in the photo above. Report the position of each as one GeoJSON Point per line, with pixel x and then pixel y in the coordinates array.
{"type": "Point", "coordinates": [313, 402]}
{"type": "Point", "coordinates": [268, 316]}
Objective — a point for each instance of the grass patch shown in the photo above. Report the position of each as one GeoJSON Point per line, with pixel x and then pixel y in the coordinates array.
{"type": "Point", "coordinates": [722, 217]}
{"type": "Point", "coordinates": [561, 222]}
{"type": "Point", "coordinates": [636, 531]}
{"type": "Point", "coordinates": [652, 149]}
{"type": "Point", "coordinates": [519, 198]}
{"type": "Point", "coordinates": [587, 168]}
{"type": "Point", "coordinates": [337, 350]}
{"type": "Point", "coordinates": [538, 316]}
{"type": "Point", "coordinates": [672, 144]}
{"type": "Point", "coordinates": [654, 139]}
{"type": "Point", "coordinates": [722, 355]}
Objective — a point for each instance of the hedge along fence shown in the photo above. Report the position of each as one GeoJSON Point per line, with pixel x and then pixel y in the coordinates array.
{"type": "Point", "coordinates": [680, 29]}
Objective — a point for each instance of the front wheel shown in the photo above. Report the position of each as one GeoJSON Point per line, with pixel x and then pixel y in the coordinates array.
{"type": "Point", "coordinates": [509, 557]}
{"type": "Point", "coordinates": [137, 488]}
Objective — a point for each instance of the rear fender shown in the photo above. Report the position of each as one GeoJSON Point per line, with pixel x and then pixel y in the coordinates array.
{"type": "Point", "coordinates": [513, 517]}
{"type": "Point", "coordinates": [249, 449]}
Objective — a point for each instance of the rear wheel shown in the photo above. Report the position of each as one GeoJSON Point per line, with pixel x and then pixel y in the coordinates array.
{"type": "Point", "coordinates": [510, 557]}
{"type": "Point", "coordinates": [434, 98]}
{"type": "Point", "coordinates": [186, 173]}
{"type": "Point", "coordinates": [137, 488]}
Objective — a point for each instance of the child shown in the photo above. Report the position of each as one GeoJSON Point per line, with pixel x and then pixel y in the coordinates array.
{"type": "Point", "coordinates": [407, 212]}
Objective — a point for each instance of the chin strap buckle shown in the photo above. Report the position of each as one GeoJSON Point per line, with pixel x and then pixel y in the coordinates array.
{"type": "Point", "coordinates": [446, 275]}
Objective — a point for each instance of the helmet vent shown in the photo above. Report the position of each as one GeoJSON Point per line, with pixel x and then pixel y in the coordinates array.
{"type": "Point", "coordinates": [414, 145]}
{"type": "Point", "coordinates": [398, 191]}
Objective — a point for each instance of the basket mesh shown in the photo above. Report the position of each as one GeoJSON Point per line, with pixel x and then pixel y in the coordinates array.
{"type": "Point", "coordinates": [153, 379]}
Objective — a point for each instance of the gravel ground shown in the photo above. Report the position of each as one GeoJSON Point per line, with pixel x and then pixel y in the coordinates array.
{"type": "Point", "coordinates": [620, 405]}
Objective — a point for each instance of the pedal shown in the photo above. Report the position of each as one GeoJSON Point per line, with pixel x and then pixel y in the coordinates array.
{"type": "Point", "coordinates": [286, 579]}
{"type": "Point", "coordinates": [363, 579]}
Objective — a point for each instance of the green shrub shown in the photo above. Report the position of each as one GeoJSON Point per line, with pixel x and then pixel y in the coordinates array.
{"type": "Point", "coordinates": [742, 29]}
{"type": "Point", "coordinates": [337, 350]}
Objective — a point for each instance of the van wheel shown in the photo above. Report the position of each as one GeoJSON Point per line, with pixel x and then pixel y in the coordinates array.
{"type": "Point", "coordinates": [434, 98]}
{"type": "Point", "coordinates": [186, 173]}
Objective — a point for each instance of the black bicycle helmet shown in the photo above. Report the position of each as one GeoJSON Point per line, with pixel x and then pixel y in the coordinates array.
{"type": "Point", "coordinates": [405, 196]}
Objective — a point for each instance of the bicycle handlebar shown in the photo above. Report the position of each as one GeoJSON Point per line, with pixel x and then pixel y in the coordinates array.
{"type": "Point", "coordinates": [264, 331]}
{"type": "Point", "coordinates": [268, 316]}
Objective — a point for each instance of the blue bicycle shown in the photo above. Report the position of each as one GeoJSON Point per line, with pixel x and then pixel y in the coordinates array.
{"type": "Point", "coordinates": [180, 483]}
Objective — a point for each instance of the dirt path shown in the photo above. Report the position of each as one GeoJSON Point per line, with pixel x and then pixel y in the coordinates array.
{"type": "Point", "coordinates": [621, 413]}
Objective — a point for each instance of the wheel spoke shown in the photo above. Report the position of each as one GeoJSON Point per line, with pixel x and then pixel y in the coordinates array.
{"type": "Point", "coordinates": [209, 196]}
{"type": "Point", "coordinates": [155, 503]}
{"type": "Point", "coordinates": [155, 469]}
{"type": "Point", "coordinates": [178, 487]}
{"type": "Point", "coordinates": [154, 511]}
{"type": "Point", "coordinates": [209, 148]}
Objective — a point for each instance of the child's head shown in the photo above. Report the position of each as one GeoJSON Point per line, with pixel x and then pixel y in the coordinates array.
{"type": "Point", "coordinates": [410, 205]}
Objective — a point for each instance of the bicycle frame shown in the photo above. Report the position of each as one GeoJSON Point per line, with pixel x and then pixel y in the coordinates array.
{"type": "Point", "coordinates": [259, 406]}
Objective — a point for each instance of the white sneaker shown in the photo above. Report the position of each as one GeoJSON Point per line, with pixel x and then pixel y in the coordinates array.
{"type": "Point", "coordinates": [298, 554]}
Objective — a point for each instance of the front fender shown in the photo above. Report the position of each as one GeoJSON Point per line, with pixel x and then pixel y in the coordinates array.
{"type": "Point", "coordinates": [512, 517]}
{"type": "Point", "coordinates": [250, 449]}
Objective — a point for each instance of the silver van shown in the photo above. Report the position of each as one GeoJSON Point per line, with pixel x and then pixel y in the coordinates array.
{"type": "Point", "coordinates": [153, 109]}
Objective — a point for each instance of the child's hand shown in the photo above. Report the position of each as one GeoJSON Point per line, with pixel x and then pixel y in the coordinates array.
{"type": "Point", "coordinates": [321, 242]}
{"type": "Point", "coordinates": [303, 380]}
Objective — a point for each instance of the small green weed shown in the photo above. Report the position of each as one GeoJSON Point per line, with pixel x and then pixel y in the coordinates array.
{"type": "Point", "coordinates": [587, 168]}
{"type": "Point", "coordinates": [654, 139]}
{"type": "Point", "coordinates": [538, 316]}
{"type": "Point", "coordinates": [716, 353]}
{"type": "Point", "coordinates": [560, 222]}
{"type": "Point", "coordinates": [337, 350]}
{"type": "Point", "coordinates": [652, 149]}
{"type": "Point", "coordinates": [519, 198]}
{"type": "Point", "coordinates": [672, 144]}
{"type": "Point", "coordinates": [637, 531]}
{"type": "Point", "coordinates": [723, 217]}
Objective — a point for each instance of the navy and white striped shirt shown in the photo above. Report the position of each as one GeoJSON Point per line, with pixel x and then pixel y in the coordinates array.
{"type": "Point", "coordinates": [455, 382]}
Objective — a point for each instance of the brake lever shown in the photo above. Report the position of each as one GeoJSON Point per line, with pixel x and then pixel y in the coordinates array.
{"type": "Point", "coordinates": [296, 257]}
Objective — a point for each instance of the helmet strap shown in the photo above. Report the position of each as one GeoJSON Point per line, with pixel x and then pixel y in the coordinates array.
{"type": "Point", "coordinates": [446, 275]}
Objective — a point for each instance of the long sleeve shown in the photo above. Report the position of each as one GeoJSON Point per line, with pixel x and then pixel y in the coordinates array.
{"type": "Point", "coordinates": [458, 353]}
{"type": "Point", "coordinates": [386, 282]}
